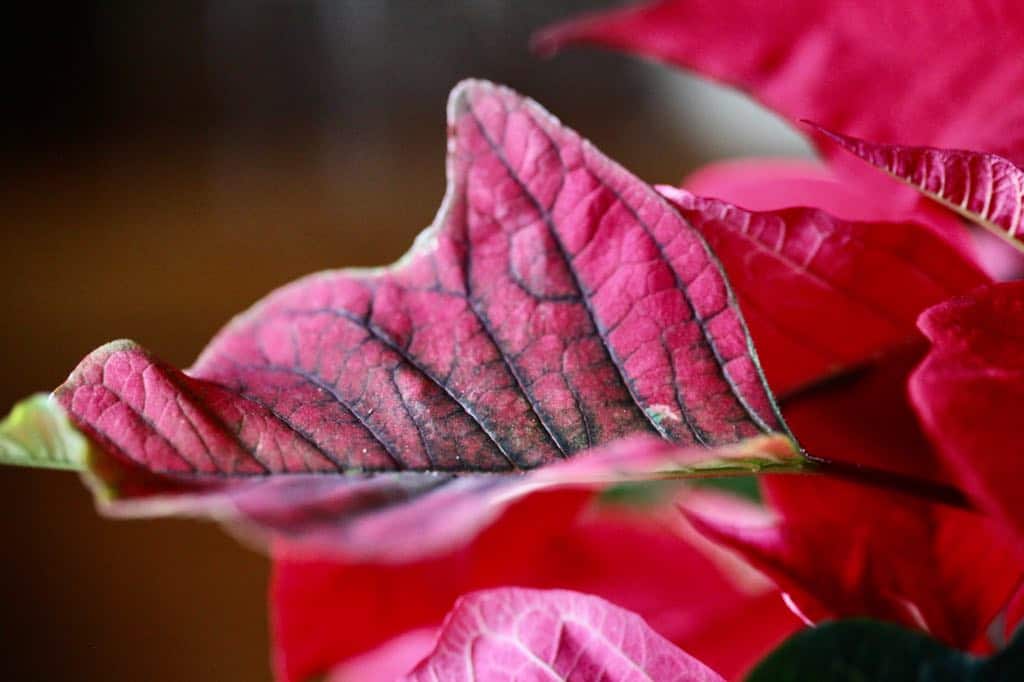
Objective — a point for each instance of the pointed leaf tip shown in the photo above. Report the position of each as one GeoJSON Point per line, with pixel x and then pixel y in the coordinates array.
{"type": "Point", "coordinates": [38, 434]}
{"type": "Point", "coordinates": [986, 189]}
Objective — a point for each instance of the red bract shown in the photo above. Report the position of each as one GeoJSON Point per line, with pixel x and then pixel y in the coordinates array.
{"type": "Point", "coordinates": [844, 550]}
{"type": "Point", "coordinates": [326, 613]}
{"type": "Point", "coordinates": [916, 71]}
{"type": "Point", "coordinates": [969, 392]}
{"type": "Point", "coordinates": [817, 291]}
{"type": "Point", "coordinates": [557, 303]}
{"type": "Point", "coordinates": [865, 418]}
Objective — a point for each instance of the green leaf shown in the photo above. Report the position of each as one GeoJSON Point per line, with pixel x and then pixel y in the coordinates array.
{"type": "Point", "coordinates": [37, 433]}
{"type": "Point", "coordinates": [870, 651]}
{"type": "Point", "coordinates": [744, 486]}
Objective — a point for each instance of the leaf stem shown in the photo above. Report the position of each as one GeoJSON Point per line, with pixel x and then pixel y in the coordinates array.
{"type": "Point", "coordinates": [929, 491]}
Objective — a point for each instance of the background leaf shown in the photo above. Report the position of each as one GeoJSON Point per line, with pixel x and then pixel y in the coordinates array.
{"type": "Point", "coordinates": [911, 71]}
{"type": "Point", "coordinates": [987, 189]}
{"type": "Point", "coordinates": [843, 550]}
{"type": "Point", "coordinates": [968, 393]}
{"type": "Point", "coordinates": [647, 560]}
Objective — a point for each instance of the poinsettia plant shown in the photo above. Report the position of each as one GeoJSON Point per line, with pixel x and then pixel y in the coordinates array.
{"type": "Point", "coordinates": [490, 459]}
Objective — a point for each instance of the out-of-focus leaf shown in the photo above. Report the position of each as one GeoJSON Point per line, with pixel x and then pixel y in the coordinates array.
{"type": "Point", "coordinates": [969, 393]}
{"type": "Point", "coordinates": [845, 550]}
{"type": "Point", "coordinates": [917, 71]}
{"type": "Point", "coordinates": [514, 633]}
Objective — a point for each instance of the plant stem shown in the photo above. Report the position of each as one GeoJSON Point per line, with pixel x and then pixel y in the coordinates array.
{"type": "Point", "coordinates": [929, 491]}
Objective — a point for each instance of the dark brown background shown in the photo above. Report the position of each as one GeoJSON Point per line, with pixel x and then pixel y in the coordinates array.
{"type": "Point", "coordinates": [166, 164]}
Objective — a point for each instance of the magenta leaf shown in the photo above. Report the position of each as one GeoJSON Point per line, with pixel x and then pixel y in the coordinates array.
{"type": "Point", "coordinates": [557, 303]}
{"type": "Point", "coordinates": [515, 633]}
{"type": "Point", "coordinates": [968, 393]}
{"type": "Point", "coordinates": [985, 188]}
{"type": "Point", "coordinates": [817, 291]}
{"type": "Point", "coordinates": [937, 73]}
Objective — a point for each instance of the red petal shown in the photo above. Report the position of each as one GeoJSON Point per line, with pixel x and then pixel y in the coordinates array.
{"type": "Point", "coordinates": [969, 392]}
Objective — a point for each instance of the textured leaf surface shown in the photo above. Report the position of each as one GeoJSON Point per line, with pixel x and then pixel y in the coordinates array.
{"type": "Point", "coordinates": [327, 615]}
{"type": "Point", "coordinates": [822, 294]}
{"type": "Point", "coordinates": [969, 392]}
{"type": "Point", "coordinates": [557, 303]}
{"type": "Point", "coordinates": [913, 71]}
{"type": "Point", "coordinates": [985, 188]}
{"type": "Point", "coordinates": [512, 633]}
{"type": "Point", "coordinates": [843, 550]}
{"type": "Point", "coordinates": [767, 184]}
{"type": "Point", "coordinates": [865, 650]}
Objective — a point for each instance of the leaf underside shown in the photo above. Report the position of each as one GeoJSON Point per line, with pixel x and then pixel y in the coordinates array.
{"type": "Point", "coordinates": [987, 189]}
{"type": "Point", "coordinates": [557, 303]}
{"type": "Point", "coordinates": [968, 392]}
{"type": "Point", "coordinates": [36, 433]}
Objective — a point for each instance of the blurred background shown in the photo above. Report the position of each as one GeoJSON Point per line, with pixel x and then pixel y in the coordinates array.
{"type": "Point", "coordinates": [164, 165]}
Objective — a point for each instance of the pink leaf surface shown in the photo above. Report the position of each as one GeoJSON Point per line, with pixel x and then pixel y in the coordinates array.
{"type": "Point", "coordinates": [522, 634]}
{"type": "Point", "coordinates": [969, 391]}
{"type": "Point", "coordinates": [818, 292]}
{"type": "Point", "coordinates": [913, 71]}
{"type": "Point", "coordinates": [985, 188]}
{"type": "Point", "coordinates": [843, 550]}
{"type": "Point", "coordinates": [556, 303]}
{"type": "Point", "coordinates": [332, 614]}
